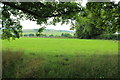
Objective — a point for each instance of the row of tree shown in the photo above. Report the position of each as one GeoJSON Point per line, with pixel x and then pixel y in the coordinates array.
{"type": "Point", "coordinates": [63, 35]}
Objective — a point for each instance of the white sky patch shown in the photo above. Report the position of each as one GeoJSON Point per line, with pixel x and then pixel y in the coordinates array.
{"type": "Point", "coordinates": [59, 27]}
{"type": "Point", "coordinates": [27, 24]}
{"type": "Point", "coordinates": [116, 1]}
{"type": "Point", "coordinates": [84, 3]}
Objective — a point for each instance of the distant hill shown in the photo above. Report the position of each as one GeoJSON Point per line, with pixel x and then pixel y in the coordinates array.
{"type": "Point", "coordinates": [47, 31]}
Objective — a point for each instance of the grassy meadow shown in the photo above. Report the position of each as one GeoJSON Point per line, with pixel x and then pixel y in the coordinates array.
{"type": "Point", "coordinates": [60, 58]}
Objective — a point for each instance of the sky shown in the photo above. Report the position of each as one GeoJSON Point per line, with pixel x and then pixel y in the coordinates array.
{"type": "Point", "coordinates": [27, 24]}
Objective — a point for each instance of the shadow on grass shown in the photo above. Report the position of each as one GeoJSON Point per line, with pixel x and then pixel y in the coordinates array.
{"type": "Point", "coordinates": [18, 65]}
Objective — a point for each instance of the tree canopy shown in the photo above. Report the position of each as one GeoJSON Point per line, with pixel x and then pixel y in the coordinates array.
{"type": "Point", "coordinates": [35, 11]}
{"type": "Point", "coordinates": [98, 18]}
{"type": "Point", "coordinates": [95, 19]}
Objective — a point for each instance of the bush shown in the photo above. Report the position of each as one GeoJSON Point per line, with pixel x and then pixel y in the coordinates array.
{"type": "Point", "coordinates": [66, 35]}
{"type": "Point", "coordinates": [109, 36]}
{"type": "Point", "coordinates": [31, 35]}
{"type": "Point", "coordinates": [26, 35]}
{"type": "Point", "coordinates": [51, 35]}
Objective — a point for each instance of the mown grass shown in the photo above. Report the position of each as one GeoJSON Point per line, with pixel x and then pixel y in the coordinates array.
{"type": "Point", "coordinates": [60, 58]}
{"type": "Point", "coordinates": [62, 46]}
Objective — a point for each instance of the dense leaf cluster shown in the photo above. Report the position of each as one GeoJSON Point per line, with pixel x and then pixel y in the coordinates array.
{"type": "Point", "coordinates": [98, 18]}
{"type": "Point", "coordinates": [36, 11]}
{"type": "Point", "coordinates": [90, 21]}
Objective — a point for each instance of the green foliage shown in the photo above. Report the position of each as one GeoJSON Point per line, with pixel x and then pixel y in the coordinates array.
{"type": "Point", "coordinates": [51, 35]}
{"type": "Point", "coordinates": [43, 35]}
{"type": "Point", "coordinates": [109, 36]}
{"type": "Point", "coordinates": [40, 30]}
{"type": "Point", "coordinates": [37, 11]}
{"type": "Point", "coordinates": [66, 35]}
{"type": "Point", "coordinates": [96, 19]}
{"type": "Point", "coordinates": [10, 27]}
{"type": "Point", "coordinates": [31, 35]}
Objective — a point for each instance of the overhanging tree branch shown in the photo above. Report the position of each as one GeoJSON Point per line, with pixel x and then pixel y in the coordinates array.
{"type": "Point", "coordinates": [37, 14]}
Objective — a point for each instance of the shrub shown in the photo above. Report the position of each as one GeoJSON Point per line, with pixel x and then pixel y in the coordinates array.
{"type": "Point", "coordinates": [51, 35]}
{"type": "Point", "coordinates": [109, 36]}
{"type": "Point", "coordinates": [31, 35]}
{"type": "Point", "coordinates": [66, 35]}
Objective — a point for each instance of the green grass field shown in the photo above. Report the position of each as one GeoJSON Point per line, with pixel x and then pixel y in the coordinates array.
{"type": "Point", "coordinates": [60, 58]}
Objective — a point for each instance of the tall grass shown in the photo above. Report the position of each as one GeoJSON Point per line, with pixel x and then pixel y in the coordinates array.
{"type": "Point", "coordinates": [10, 62]}
{"type": "Point", "coordinates": [18, 65]}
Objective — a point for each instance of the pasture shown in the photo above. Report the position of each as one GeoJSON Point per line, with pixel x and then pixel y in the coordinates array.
{"type": "Point", "coordinates": [60, 58]}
